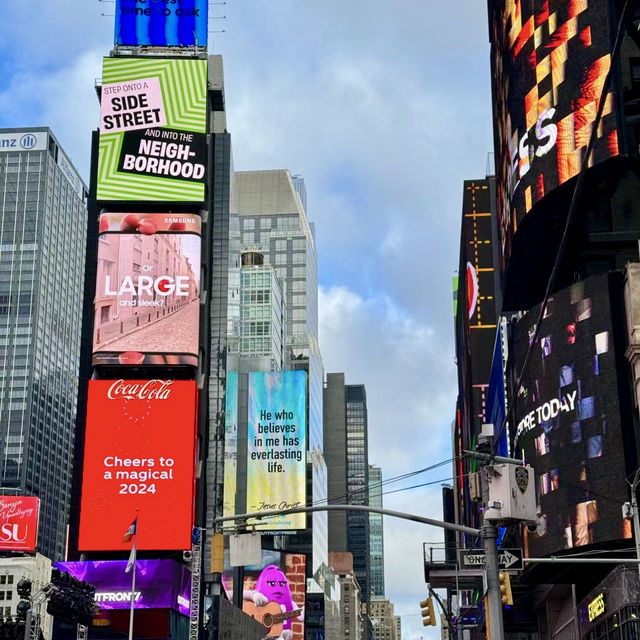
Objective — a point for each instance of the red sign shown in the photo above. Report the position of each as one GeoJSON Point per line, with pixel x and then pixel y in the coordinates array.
{"type": "Point", "coordinates": [18, 523]}
{"type": "Point", "coordinates": [139, 458]}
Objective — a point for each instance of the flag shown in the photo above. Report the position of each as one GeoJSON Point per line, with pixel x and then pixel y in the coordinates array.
{"type": "Point", "coordinates": [132, 557]}
{"type": "Point", "coordinates": [131, 531]}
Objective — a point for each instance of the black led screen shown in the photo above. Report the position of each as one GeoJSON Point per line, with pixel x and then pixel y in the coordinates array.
{"type": "Point", "coordinates": [568, 421]}
{"type": "Point", "coordinates": [549, 59]}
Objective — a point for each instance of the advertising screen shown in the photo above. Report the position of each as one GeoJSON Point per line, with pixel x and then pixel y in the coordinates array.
{"type": "Point", "coordinates": [147, 305]}
{"type": "Point", "coordinates": [139, 458]}
{"type": "Point", "coordinates": [567, 420]}
{"type": "Point", "coordinates": [19, 523]}
{"type": "Point", "coordinates": [160, 584]}
{"type": "Point", "coordinates": [278, 587]}
{"type": "Point", "coordinates": [549, 61]}
{"type": "Point", "coordinates": [161, 23]}
{"type": "Point", "coordinates": [273, 426]}
{"type": "Point", "coordinates": [152, 130]}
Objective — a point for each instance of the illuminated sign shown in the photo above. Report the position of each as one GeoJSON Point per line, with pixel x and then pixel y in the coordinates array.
{"type": "Point", "coordinates": [548, 67]}
{"type": "Point", "coordinates": [160, 584]}
{"type": "Point", "coordinates": [276, 446]}
{"type": "Point", "coordinates": [161, 23]}
{"type": "Point", "coordinates": [147, 305]}
{"type": "Point", "coordinates": [153, 124]}
{"type": "Point", "coordinates": [24, 141]}
{"type": "Point", "coordinates": [18, 523]}
{"type": "Point", "coordinates": [596, 607]}
{"type": "Point", "coordinates": [139, 457]}
{"type": "Point", "coordinates": [568, 416]}
{"type": "Point", "coordinates": [279, 583]}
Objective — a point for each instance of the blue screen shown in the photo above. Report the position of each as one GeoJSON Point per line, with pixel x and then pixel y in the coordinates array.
{"type": "Point", "coordinates": [161, 22]}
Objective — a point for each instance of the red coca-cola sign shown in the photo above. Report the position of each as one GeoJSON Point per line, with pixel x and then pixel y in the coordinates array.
{"type": "Point", "coordinates": [19, 523]}
{"type": "Point", "coordinates": [147, 390]}
{"type": "Point", "coordinates": [139, 461]}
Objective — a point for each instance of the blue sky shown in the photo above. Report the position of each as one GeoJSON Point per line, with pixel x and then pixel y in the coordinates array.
{"type": "Point", "coordinates": [384, 108]}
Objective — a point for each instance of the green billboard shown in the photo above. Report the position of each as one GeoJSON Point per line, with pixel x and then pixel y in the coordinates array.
{"type": "Point", "coordinates": [153, 123]}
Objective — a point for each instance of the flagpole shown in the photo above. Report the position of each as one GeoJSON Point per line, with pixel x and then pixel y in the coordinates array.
{"type": "Point", "coordinates": [133, 576]}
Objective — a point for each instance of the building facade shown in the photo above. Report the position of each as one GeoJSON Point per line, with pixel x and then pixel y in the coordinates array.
{"type": "Point", "coordinates": [376, 536]}
{"type": "Point", "coordinates": [42, 249]}
{"type": "Point", "coordinates": [346, 450]}
{"type": "Point", "coordinates": [273, 221]}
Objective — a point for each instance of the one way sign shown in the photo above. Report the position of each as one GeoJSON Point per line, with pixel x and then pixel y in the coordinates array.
{"type": "Point", "coordinates": [510, 559]}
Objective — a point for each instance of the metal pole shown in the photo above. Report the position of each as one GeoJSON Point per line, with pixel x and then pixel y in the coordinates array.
{"type": "Point", "coordinates": [490, 536]}
{"type": "Point", "coordinates": [636, 517]}
{"type": "Point", "coordinates": [27, 624]}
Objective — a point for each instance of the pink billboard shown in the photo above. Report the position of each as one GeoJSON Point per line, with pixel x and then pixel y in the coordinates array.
{"type": "Point", "coordinates": [147, 304]}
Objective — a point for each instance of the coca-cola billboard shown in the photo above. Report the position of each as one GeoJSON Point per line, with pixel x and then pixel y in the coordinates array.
{"type": "Point", "coordinates": [139, 459]}
{"type": "Point", "coordinates": [18, 523]}
{"type": "Point", "coordinates": [146, 308]}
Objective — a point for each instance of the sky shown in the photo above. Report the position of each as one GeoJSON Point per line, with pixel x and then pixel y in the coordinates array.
{"type": "Point", "coordinates": [384, 108]}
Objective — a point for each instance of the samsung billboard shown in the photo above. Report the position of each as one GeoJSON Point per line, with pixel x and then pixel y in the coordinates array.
{"type": "Point", "coordinates": [153, 130]}
{"type": "Point", "coordinates": [139, 458]}
{"type": "Point", "coordinates": [161, 23]}
{"type": "Point", "coordinates": [568, 418]}
{"type": "Point", "coordinates": [147, 304]}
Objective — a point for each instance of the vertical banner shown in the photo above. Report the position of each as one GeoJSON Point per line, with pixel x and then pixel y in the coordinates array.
{"type": "Point", "coordinates": [153, 124]}
{"type": "Point", "coordinates": [230, 444]}
{"type": "Point", "coordinates": [276, 446]}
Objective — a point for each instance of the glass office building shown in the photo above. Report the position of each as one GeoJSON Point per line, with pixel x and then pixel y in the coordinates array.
{"type": "Point", "coordinates": [42, 246]}
{"type": "Point", "coordinates": [273, 221]}
{"type": "Point", "coordinates": [376, 538]}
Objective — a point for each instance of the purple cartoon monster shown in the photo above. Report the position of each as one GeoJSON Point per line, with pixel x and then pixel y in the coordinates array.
{"type": "Point", "coordinates": [273, 586]}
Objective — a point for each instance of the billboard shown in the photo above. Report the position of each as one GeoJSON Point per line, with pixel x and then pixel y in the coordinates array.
{"type": "Point", "coordinates": [153, 128]}
{"type": "Point", "coordinates": [161, 23]}
{"type": "Point", "coordinates": [549, 62]}
{"type": "Point", "coordinates": [139, 458]}
{"type": "Point", "coordinates": [274, 427]}
{"type": "Point", "coordinates": [19, 523]}
{"type": "Point", "coordinates": [276, 587]}
{"type": "Point", "coordinates": [160, 584]}
{"type": "Point", "coordinates": [568, 422]}
{"type": "Point", "coordinates": [147, 305]}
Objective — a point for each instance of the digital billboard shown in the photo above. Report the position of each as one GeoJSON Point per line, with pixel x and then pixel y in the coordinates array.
{"type": "Point", "coordinates": [153, 128]}
{"type": "Point", "coordinates": [139, 458]}
{"type": "Point", "coordinates": [147, 304]}
{"type": "Point", "coordinates": [160, 584]}
{"type": "Point", "coordinates": [549, 61]}
{"type": "Point", "coordinates": [568, 421]}
{"type": "Point", "coordinates": [274, 593]}
{"type": "Point", "coordinates": [161, 23]}
{"type": "Point", "coordinates": [273, 426]}
{"type": "Point", "coordinates": [19, 523]}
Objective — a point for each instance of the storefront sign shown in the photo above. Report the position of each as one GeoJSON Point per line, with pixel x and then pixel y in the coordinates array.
{"type": "Point", "coordinates": [596, 607]}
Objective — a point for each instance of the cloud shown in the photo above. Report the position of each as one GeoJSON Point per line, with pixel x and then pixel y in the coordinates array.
{"type": "Point", "coordinates": [64, 100]}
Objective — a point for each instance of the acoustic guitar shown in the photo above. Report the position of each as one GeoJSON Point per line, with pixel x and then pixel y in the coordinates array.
{"type": "Point", "coordinates": [270, 616]}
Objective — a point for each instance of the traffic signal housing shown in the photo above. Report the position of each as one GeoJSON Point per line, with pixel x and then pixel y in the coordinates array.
{"type": "Point", "coordinates": [428, 614]}
{"type": "Point", "coordinates": [505, 588]}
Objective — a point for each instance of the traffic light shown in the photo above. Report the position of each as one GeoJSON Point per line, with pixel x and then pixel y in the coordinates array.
{"type": "Point", "coordinates": [428, 614]}
{"type": "Point", "coordinates": [505, 588]}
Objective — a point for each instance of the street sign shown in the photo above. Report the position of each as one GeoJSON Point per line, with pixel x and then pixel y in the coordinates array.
{"type": "Point", "coordinates": [509, 559]}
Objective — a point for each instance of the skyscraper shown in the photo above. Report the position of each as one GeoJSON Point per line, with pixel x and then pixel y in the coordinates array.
{"type": "Point", "coordinates": [346, 448]}
{"type": "Point", "coordinates": [376, 538]}
{"type": "Point", "coordinates": [42, 247]}
{"type": "Point", "coordinates": [274, 222]}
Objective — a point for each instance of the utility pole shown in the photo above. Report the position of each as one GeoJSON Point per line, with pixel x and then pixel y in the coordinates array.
{"type": "Point", "coordinates": [490, 538]}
